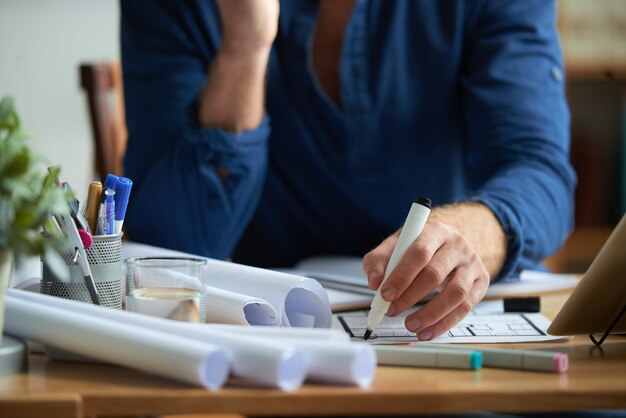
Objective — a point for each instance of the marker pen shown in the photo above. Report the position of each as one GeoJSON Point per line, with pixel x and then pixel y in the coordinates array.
{"type": "Point", "coordinates": [93, 204]}
{"type": "Point", "coordinates": [412, 229]}
{"type": "Point", "coordinates": [537, 360]}
{"type": "Point", "coordinates": [122, 191]}
{"type": "Point", "coordinates": [428, 357]}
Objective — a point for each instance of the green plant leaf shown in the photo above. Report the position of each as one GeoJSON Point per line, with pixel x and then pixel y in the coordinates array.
{"type": "Point", "coordinates": [27, 196]}
{"type": "Point", "coordinates": [56, 264]}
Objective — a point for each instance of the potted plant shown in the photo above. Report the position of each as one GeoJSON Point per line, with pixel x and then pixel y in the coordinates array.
{"type": "Point", "coordinates": [27, 198]}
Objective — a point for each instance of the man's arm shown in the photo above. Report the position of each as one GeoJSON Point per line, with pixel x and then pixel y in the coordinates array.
{"type": "Point", "coordinates": [234, 97]}
{"type": "Point", "coordinates": [197, 149]}
{"type": "Point", "coordinates": [521, 206]}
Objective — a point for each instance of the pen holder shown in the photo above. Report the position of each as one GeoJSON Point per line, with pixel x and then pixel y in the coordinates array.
{"type": "Point", "coordinates": [105, 262]}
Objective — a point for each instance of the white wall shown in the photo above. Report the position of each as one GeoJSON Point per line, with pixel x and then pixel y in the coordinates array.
{"type": "Point", "coordinates": [42, 43]}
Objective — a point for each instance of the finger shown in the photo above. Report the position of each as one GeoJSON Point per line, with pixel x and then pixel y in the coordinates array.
{"type": "Point", "coordinates": [442, 264]}
{"type": "Point", "coordinates": [460, 283]}
{"type": "Point", "coordinates": [416, 257]}
{"type": "Point", "coordinates": [476, 294]}
{"type": "Point", "coordinates": [375, 261]}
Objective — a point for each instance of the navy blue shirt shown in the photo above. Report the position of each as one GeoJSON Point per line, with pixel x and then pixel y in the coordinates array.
{"type": "Point", "coordinates": [451, 99]}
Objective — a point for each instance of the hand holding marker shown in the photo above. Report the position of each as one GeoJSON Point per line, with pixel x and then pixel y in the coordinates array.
{"type": "Point", "coordinates": [413, 226]}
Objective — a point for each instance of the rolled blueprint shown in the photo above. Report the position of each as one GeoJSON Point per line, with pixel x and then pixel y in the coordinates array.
{"type": "Point", "coordinates": [225, 307]}
{"type": "Point", "coordinates": [272, 363]}
{"type": "Point", "coordinates": [117, 342]}
{"type": "Point", "coordinates": [318, 334]}
{"type": "Point", "coordinates": [299, 301]}
{"type": "Point", "coordinates": [338, 362]}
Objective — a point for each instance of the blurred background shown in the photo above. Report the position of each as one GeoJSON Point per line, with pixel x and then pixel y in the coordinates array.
{"type": "Point", "coordinates": [44, 42]}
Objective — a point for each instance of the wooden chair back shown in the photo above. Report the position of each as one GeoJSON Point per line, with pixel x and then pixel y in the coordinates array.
{"type": "Point", "coordinates": [102, 83]}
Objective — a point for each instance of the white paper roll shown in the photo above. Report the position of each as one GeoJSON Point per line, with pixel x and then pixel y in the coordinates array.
{"type": "Point", "coordinates": [119, 343]}
{"type": "Point", "coordinates": [338, 362]}
{"type": "Point", "coordinates": [318, 334]}
{"type": "Point", "coordinates": [272, 363]}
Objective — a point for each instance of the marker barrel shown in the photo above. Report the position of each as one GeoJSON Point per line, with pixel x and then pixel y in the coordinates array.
{"type": "Point", "coordinates": [428, 357]}
{"type": "Point", "coordinates": [535, 360]}
{"type": "Point", "coordinates": [413, 226]}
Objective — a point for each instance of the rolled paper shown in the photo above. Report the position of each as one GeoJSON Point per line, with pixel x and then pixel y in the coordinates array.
{"type": "Point", "coordinates": [271, 363]}
{"type": "Point", "coordinates": [120, 343]}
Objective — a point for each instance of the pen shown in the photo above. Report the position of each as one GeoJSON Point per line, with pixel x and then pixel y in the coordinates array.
{"type": "Point", "coordinates": [122, 192]}
{"type": "Point", "coordinates": [543, 361]}
{"type": "Point", "coordinates": [428, 357]}
{"type": "Point", "coordinates": [110, 181]}
{"type": "Point", "coordinates": [412, 229]}
{"type": "Point", "coordinates": [107, 215]}
{"type": "Point", "coordinates": [93, 204]}
{"type": "Point", "coordinates": [74, 204]}
{"type": "Point", "coordinates": [80, 257]}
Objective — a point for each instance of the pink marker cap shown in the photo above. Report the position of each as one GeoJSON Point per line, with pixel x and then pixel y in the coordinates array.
{"type": "Point", "coordinates": [560, 362]}
{"type": "Point", "coordinates": [86, 238]}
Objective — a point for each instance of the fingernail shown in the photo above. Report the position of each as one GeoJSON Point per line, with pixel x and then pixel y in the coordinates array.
{"type": "Point", "coordinates": [392, 311]}
{"type": "Point", "coordinates": [425, 335]}
{"type": "Point", "coordinates": [413, 324]}
{"type": "Point", "coordinates": [389, 295]}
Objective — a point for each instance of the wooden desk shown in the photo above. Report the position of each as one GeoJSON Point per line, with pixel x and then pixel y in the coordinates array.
{"type": "Point", "coordinates": [596, 379]}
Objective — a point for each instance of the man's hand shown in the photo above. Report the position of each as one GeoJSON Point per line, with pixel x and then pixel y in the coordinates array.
{"type": "Point", "coordinates": [457, 250]}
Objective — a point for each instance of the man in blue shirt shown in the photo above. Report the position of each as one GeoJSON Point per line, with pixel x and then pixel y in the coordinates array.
{"type": "Point", "coordinates": [269, 133]}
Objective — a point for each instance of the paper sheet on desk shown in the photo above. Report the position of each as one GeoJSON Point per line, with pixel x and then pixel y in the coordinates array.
{"type": "Point", "coordinates": [296, 300]}
{"type": "Point", "coordinates": [345, 275]}
{"type": "Point", "coordinates": [483, 325]}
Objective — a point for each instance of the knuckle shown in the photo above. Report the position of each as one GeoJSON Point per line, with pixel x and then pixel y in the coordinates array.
{"type": "Point", "coordinates": [402, 278]}
{"type": "Point", "coordinates": [435, 273]}
{"type": "Point", "coordinates": [459, 290]}
{"type": "Point", "coordinates": [420, 251]}
{"type": "Point", "coordinates": [465, 307]}
{"type": "Point", "coordinates": [429, 278]}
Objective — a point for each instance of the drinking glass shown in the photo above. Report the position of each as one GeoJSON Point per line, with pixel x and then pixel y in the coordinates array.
{"type": "Point", "coordinates": [167, 287]}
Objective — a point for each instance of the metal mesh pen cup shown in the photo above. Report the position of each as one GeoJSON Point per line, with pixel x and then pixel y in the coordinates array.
{"type": "Point", "coordinates": [105, 261]}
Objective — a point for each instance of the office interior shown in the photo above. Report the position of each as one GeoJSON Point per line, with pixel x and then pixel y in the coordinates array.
{"type": "Point", "coordinates": [44, 43]}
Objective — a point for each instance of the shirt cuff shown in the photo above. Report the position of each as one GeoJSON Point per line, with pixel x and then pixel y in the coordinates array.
{"type": "Point", "coordinates": [513, 231]}
{"type": "Point", "coordinates": [226, 142]}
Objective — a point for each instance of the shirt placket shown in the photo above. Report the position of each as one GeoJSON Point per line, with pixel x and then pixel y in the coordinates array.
{"type": "Point", "coordinates": [355, 96]}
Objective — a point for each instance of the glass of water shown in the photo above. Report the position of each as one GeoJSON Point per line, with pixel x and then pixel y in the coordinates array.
{"type": "Point", "coordinates": [167, 287]}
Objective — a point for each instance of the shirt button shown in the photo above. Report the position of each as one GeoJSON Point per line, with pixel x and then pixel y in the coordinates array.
{"type": "Point", "coordinates": [362, 160]}
{"type": "Point", "coordinates": [556, 74]}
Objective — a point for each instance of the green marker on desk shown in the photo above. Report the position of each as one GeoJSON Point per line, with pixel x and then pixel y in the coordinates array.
{"type": "Point", "coordinates": [504, 358]}
{"type": "Point", "coordinates": [428, 357]}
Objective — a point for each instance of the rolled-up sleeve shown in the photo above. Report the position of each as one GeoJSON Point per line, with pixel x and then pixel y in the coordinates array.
{"type": "Point", "coordinates": [518, 127]}
{"type": "Point", "coordinates": [181, 198]}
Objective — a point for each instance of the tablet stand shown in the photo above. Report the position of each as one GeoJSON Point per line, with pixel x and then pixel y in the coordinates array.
{"type": "Point", "coordinates": [599, 342]}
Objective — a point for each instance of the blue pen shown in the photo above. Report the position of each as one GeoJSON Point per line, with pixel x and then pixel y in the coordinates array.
{"type": "Point", "coordinates": [122, 192]}
{"type": "Point", "coordinates": [110, 181]}
{"type": "Point", "coordinates": [106, 220]}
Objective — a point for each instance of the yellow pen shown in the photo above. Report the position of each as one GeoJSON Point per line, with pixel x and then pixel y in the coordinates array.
{"type": "Point", "coordinates": [93, 204]}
